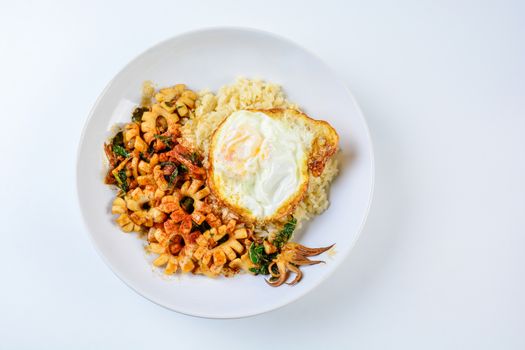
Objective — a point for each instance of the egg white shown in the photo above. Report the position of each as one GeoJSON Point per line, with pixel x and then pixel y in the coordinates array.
{"type": "Point", "coordinates": [259, 164]}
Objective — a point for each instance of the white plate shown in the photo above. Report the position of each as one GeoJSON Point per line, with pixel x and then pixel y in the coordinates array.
{"type": "Point", "coordinates": [208, 59]}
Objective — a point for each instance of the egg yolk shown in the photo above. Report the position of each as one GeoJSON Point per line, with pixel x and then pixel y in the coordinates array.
{"type": "Point", "coordinates": [241, 146]}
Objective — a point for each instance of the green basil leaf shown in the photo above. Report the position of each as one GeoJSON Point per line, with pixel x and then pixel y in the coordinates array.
{"type": "Point", "coordinates": [118, 139]}
{"type": "Point", "coordinates": [136, 116]}
{"type": "Point", "coordinates": [223, 239]}
{"type": "Point", "coordinates": [122, 180]}
{"type": "Point", "coordinates": [285, 234]}
{"type": "Point", "coordinates": [173, 176]}
{"type": "Point", "coordinates": [187, 204]}
{"type": "Point", "coordinates": [120, 151]}
{"type": "Point", "coordinates": [167, 140]}
{"type": "Point", "coordinates": [252, 253]}
{"type": "Point", "coordinates": [143, 157]}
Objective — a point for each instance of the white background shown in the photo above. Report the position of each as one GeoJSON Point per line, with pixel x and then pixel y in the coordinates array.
{"type": "Point", "coordinates": [441, 263]}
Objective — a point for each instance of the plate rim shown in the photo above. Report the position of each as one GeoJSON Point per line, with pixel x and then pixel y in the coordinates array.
{"type": "Point", "coordinates": [288, 41]}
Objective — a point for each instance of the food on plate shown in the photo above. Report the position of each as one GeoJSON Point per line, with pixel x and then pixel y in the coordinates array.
{"type": "Point", "coordinates": [261, 160]}
{"type": "Point", "coordinates": [217, 183]}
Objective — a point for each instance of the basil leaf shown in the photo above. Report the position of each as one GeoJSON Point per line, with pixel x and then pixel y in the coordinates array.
{"type": "Point", "coordinates": [201, 228]}
{"type": "Point", "coordinates": [136, 116]}
{"type": "Point", "coordinates": [167, 140]}
{"type": "Point", "coordinates": [251, 253]}
{"type": "Point", "coordinates": [118, 139]}
{"type": "Point", "coordinates": [143, 157]}
{"type": "Point", "coordinates": [285, 234]}
{"type": "Point", "coordinates": [255, 253]}
{"type": "Point", "coordinates": [187, 204]}
{"type": "Point", "coordinates": [259, 257]}
{"type": "Point", "coordinates": [120, 151]}
{"type": "Point", "coordinates": [151, 150]}
{"type": "Point", "coordinates": [263, 270]}
{"type": "Point", "coordinates": [173, 176]}
{"type": "Point", "coordinates": [223, 239]}
{"type": "Point", "coordinates": [194, 158]}
{"type": "Point", "coordinates": [122, 180]}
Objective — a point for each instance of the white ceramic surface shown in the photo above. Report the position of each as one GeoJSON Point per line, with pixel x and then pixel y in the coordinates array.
{"type": "Point", "coordinates": [208, 59]}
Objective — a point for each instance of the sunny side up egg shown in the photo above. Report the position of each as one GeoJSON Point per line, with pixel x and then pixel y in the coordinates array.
{"type": "Point", "coordinates": [260, 160]}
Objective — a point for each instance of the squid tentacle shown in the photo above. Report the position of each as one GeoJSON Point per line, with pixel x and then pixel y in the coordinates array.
{"type": "Point", "coordinates": [312, 251]}
{"type": "Point", "coordinates": [292, 257]}
{"type": "Point", "coordinates": [305, 261]}
{"type": "Point", "coordinates": [298, 274]}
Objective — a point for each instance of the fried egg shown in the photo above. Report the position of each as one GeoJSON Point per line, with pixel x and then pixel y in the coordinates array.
{"type": "Point", "coordinates": [261, 160]}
